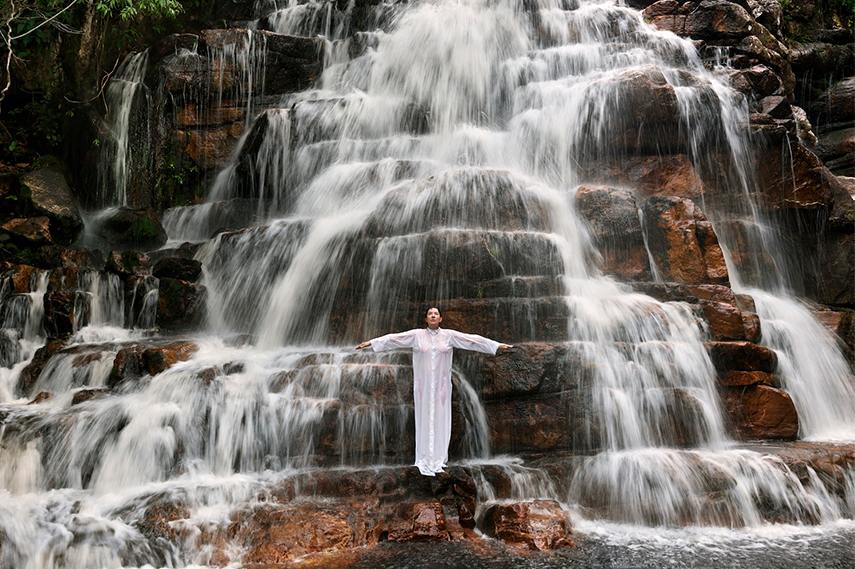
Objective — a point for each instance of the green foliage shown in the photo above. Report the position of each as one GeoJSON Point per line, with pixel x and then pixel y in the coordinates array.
{"type": "Point", "coordinates": [127, 10]}
{"type": "Point", "coordinates": [845, 11]}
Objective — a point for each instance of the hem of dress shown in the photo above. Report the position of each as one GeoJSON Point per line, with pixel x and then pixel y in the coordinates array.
{"type": "Point", "coordinates": [429, 470]}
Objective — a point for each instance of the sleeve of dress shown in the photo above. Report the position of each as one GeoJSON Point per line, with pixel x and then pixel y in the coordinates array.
{"type": "Point", "coordinates": [473, 342]}
{"type": "Point", "coordinates": [394, 341]}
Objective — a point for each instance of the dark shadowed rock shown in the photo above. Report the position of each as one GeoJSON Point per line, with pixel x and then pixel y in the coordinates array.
{"type": "Point", "coordinates": [127, 263]}
{"type": "Point", "coordinates": [160, 358]}
{"type": "Point", "coordinates": [51, 196]}
{"type": "Point", "coordinates": [180, 304]}
{"type": "Point", "coordinates": [30, 374]}
{"type": "Point", "coordinates": [741, 356]}
{"type": "Point", "coordinates": [177, 268]}
{"type": "Point", "coordinates": [126, 228]}
{"type": "Point", "coordinates": [30, 231]}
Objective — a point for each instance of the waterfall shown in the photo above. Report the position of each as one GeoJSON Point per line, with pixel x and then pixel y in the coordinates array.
{"type": "Point", "coordinates": [115, 164]}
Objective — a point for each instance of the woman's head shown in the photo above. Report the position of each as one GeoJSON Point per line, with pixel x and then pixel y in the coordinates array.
{"type": "Point", "coordinates": [433, 317]}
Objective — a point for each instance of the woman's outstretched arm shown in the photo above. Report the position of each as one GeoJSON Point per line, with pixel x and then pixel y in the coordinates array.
{"type": "Point", "coordinates": [391, 342]}
{"type": "Point", "coordinates": [476, 343]}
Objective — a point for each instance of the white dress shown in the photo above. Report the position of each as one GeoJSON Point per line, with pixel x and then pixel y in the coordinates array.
{"type": "Point", "coordinates": [432, 350]}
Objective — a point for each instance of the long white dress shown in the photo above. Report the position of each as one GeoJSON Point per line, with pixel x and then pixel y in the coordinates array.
{"type": "Point", "coordinates": [432, 351]}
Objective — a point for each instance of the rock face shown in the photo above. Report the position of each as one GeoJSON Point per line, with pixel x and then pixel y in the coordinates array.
{"type": "Point", "coordinates": [762, 412]}
{"type": "Point", "coordinates": [683, 242]}
{"type": "Point", "coordinates": [52, 197]}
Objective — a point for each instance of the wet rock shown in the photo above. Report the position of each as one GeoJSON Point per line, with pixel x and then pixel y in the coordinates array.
{"type": "Point", "coordinates": [22, 277]}
{"type": "Point", "coordinates": [177, 268]}
{"type": "Point", "coordinates": [127, 365]}
{"type": "Point", "coordinates": [126, 228]}
{"type": "Point", "coordinates": [60, 319]}
{"type": "Point", "coordinates": [682, 242]}
{"type": "Point", "coordinates": [52, 197]}
{"type": "Point", "coordinates": [180, 304]}
{"type": "Point", "coordinates": [708, 19]}
{"type": "Point", "coordinates": [30, 374]}
{"type": "Point", "coordinates": [127, 263]}
{"type": "Point", "coordinates": [837, 149]}
{"type": "Point", "coordinates": [838, 102]}
{"type": "Point", "coordinates": [274, 535]}
{"type": "Point", "coordinates": [160, 358]}
{"type": "Point", "coordinates": [210, 148]}
{"type": "Point", "coordinates": [31, 230]}
{"type": "Point", "coordinates": [540, 525]}
{"type": "Point", "coordinates": [88, 394]}
{"type": "Point", "coordinates": [761, 412]}
{"type": "Point", "coordinates": [741, 356]}
{"type": "Point", "coordinates": [746, 378]}
{"type": "Point", "coordinates": [663, 175]}
{"type": "Point", "coordinates": [41, 397]}
{"type": "Point", "coordinates": [727, 322]}
{"type": "Point", "coordinates": [421, 521]}
{"type": "Point", "coordinates": [157, 523]}
{"type": "Point", "coordinates": [612, 216]}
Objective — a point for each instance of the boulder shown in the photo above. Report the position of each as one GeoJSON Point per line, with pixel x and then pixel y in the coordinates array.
{"type": "Point", "coordinates": [177, 268]}
{"type": "Point", "coordinates": [761, 412]}
{"type": "Point", "coordinates": [127, 365]}
{"type": "Point", "coordinates": [615, 226]}
{"type": "Point", "coordinates": [837, 104]}
{"type": "Point", "coordinates": [30, 374]}
{"type": "Point", "coordinates": [84, 395]}
{"type": "Point", "coordinates": [659, 175]}
{"type": "Point", "coordinates": [180, 304]}
{"type": "Point", "coordinates": [682, 242]}
{"type": "Point", "coordinates": [52, 197]}
{"type": "Point", "coordinates": [126, 228]}
{"type": "Point", "coordinates": [29, 231]}
{"type": "Point", "coordinates": [540, 525]}
{"type": "Point", "coordinates": [160, 358]}
{"type": "Point", "coordinates": [708, 19]}
{"type": "Point", "coordinates": [60, 319]}
{"type": "Point", "coordinates": [757, 80]}
{"type": "Point", "coordinates": [837, 149]}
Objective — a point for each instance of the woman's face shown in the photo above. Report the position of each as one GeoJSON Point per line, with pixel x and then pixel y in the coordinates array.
{"type": "Point", "coordinates": [433, 318]}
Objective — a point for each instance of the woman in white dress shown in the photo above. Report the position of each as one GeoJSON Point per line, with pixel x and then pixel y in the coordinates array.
{"type": "Point", "coordinates": [432, 349]}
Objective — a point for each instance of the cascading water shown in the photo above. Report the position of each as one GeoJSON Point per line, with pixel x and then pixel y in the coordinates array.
{"type": "Point", "coordinates": [446, 144]}
{"type": "Point", "coordinates": [123, 94]}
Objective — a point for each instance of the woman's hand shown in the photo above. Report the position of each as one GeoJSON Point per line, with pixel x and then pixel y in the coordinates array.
{"type": "Point", "coordinates": [505, 347]}
{"type": "Point", "coordinates": [364, 345]}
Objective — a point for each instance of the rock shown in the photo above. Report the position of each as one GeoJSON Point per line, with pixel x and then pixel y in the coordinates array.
{"type": "Point", "coordinates": [660, 175]}
{"type": "Point", "coordinates": [615, 227]}
{"type": "Point", "coordinates": [838, 102]}
{"type": "Point", "coordinates": [127, 263]}
{"type": "Point", "coordinates": [52, 197]}
{"type": "Point", "coordinates": [421, 521]}
{"type": "Point", "coordinates": [708, 19]}
{"type": "Point", "coordinates": [758, 80]}
{"type": "Point", "coordinates": [683, 242]}
{"type": "Point", "coordinates": [126, 228]}
{"type": "Point", "coordinates": [776, 106]}
{"type": "Point", "coordinates": [837, 149]}
{"type": "Point", "coordinates": [540, 525]}
{"type": "Point", "coordinates": [41, 397]}
{"type": "Point", "coordinates": [23, 278]}
{"type": "Point", "coordinates": [741, 356]}
{"type": "Point", "coordinates": [127, 365]}
{"type": "Point", "coordinates": [160, 358]}
{"type": "Point", "coordinates": [88, 394]}
{"type": "Point", "coordinates": [60, 319]}
{"type": "Point", "coordinates": [761, 412]}
{"type": "Point", "coordinates": [177, 268]}
{"type": "Point", "coordinates": [746, 378]}
{"type": "Point", "coordinates": [30, 374]}
{"type": "Point", "coordinates": [210, 148]}
{"type": "Point", "coordinates": [180, 304]}
{"type": "Point", "coordinates": [32, 230]}
{"type": "Point", "coordinates": [274, 535]}
{"type": "Point", "coordinates": [727, 322]}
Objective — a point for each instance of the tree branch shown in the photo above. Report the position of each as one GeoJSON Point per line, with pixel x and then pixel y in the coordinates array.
{"type": "Point", "coordinates": [7, 39]}
{"type": "Point", "coordinates": [28, 32]}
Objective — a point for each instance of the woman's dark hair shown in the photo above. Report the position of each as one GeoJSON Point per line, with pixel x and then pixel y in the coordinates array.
{"type": "Point", "coordinates": [426, 310]}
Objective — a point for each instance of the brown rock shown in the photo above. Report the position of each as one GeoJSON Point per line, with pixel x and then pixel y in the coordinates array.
{"type": "Point", "coordinates": [540, 525]}
{"type": "Point", "coordinates": [30, 374]}
{"type": "Point", "coordinates": [708, 19]}
{"type": "Point", "coordinates": [88, 394]}
{"type": "Point", "coordinates": [683, 242]}
{"type": "Point", "coordinates": [725, 321]}
{"type": "Point", "coordinates": [180, 304]}
{"type": "Point", "coordinates": [761, 412]}
{"type": "Point", "coordinates": [23, 277]}
{"type": "Point", "coordinates": [192, 116]}
{"type": "Point", "coordinates": [746, 378]}
{"type": "Point", "coordinates": [127, 262]}
{"type": "Point", "coordinates": [421, 521]}
{"type": "Point", "coordinates": [661, 175]}
{"type": "Point", "coordinates": [52, 197]}
{"type": "Point", "coordinates": [60, 319]}
{"type": "Point", "coordinates": [210, 148]}
{"type": "Point", "coordinates": [40, 397]}
{"type": "Point", "coordinates": [160, 358]}
{"type": "Point", "coordinates": [741, 356]}
{"type": "Point", "coordinates": [776, 106]}
{"type": "Point", "coordinates": [127, 365]}
{"type": "Point", "coordinates": [33, 230]}
{"type": "Point", "coordinates": [275, 535]}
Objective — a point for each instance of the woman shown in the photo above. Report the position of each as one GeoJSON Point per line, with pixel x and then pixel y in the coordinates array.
{"type": "Point", "coordinates": [432, 348]}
